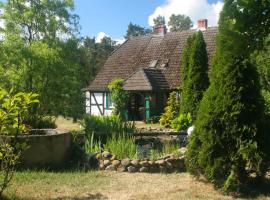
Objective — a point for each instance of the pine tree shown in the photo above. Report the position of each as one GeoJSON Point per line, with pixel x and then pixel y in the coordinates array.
{"type": "Point", "coordinates": [194, 70]}
{"type": "Point", "coordinates": [227, 141]}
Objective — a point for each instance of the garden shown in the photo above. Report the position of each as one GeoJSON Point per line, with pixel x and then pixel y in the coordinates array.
{"type": "Point", "coordinates": [214, 140]}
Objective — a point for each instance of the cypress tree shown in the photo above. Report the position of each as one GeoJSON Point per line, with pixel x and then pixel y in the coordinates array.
{"type": "Point", "coordinates": [194, 70]}
{"type": "Point", "coordinates": [227, 143]}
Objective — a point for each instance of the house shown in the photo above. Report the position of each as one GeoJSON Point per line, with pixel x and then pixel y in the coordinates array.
{"type": "Point", "coordinates": [150, 67]}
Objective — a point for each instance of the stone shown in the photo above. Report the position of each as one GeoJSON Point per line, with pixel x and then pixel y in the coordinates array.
{"type": "Point", "coordinates": [125, 162]}
{"type": "Point", "coordinates": [106, 154]}
{"type": "Point", "coordinates": [110, 168]}
{"type": "Point", "coordinates": [144, 163]}
{"type": "Point", "coordinates": [98, 156]}
{"type": "Point", "coordinates": [132, 169]}
{"type": "Point", "coordinates": [144, 169]}
{"type": "Point", "coordinates": [101, 167]}
{"type": "Point", "coordinates": [135, 163]}
{"type": "Point", "coordinates": [160, 162]}
{"type": "Point", "coordinates": [116, 163]}
{"type": "Point", "coordinates": [121, 168]}
{"type": "Point", "coordinates": [169, 166]}
{"type": "Point", "coordinates": [106, 163]}
{"type": "Point", "coordinates": [163, 169]}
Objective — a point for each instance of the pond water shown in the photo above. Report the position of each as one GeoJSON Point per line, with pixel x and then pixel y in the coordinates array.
{"type": "Point", "coordinates": [147, 144]}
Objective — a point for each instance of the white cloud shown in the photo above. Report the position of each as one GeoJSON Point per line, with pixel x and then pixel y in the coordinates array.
{"type": "Point", "coordinates": [101, 35]}
{"type": "Point", "coordinates": [195, 9]}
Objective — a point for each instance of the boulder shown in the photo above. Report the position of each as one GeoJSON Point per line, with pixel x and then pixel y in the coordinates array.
{"type": "Point", "coordinates": [116, 163]}
{"type": "Point", "coordinates": [144, 169]}
{"type": "Point", "coordinates": [132, 169]}
{"type": "Point", "coordinates": [144, 163]}
{"type": "Point", "coordinates": [160, 162]}
{"type": "Point", "coordinates": [125, 162]}
{"type": "Point", "coordinates": [121, 168]}
{"type": "Point", "coordinates": [106, 163]}
{"type": "Point", "coordinates": [110, 168]}
{"type": "Point", "coordinates": [135, 163]}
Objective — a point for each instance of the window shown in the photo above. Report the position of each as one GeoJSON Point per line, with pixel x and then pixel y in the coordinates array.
{"type": "Point", "coordinates": [109, 103]}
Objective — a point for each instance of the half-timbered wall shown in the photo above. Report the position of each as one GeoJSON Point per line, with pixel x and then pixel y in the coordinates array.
{"type": "Point", "coordinates": [97, 103]}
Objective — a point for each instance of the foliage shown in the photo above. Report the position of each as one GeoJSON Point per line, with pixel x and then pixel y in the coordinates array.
{"type": "Point", "coordinates": [136, 30]}
{"type": "Point", "coordinates": [262, 60]}
{"type": "Point", "coordinates": [122, 145]}
{"type": "Point", "coordinates": [159, 20]}
{"type": "Point", "coordinates": [228, 141]}
{"type": "Point", "coordinates": [182, 122]}
{"type": "Point", "coordinates": [171, 110]}
{"type": "Point", "coordinates": [167, 149]}
{"type": "Point", "coordinates": [13, 112]}
{"type": "Point", "coordinates": [106, 126]}
{"type": "Point", "coordinates": [120, 97]}
{"type": "Point", "coordinates": [179, 23]}
{"type": "Point", "coordinates": [195, 78]}
{"type": "Point", "coordinates": [40, 54]}
{"type": "Point", "coordinates": [266, 96]}
{"type": "Point", "coordinates": [91, 145]}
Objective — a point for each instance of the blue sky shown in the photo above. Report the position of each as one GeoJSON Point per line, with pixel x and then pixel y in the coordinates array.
{"type": "Point", "coordinates": [113, 16]}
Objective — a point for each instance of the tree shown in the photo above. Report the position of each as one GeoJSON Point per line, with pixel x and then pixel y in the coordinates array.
{"type": "Point", "coordinates": [228, 142]}
{"type": "Point", "coordinates": [120, 98]}
{"type": "Point", "coordinates": [159, 20]}
{"type": "Point", "coordinates": [136, 30]}
{"type": "Point", "coordinates": [171, 110]}
{"type": "Point", "coordinates": [39, 54]}
{"type": "Point", "coordinates": [194, 73]}
{"type": "Point", "coordinates": [179, 23]}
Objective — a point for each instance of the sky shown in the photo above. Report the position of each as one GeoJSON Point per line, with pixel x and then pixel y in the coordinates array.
{"type": "Point", "coordinates": [111, 17]}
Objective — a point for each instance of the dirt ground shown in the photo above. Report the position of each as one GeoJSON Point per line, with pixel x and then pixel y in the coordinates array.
{"type": "Point", "coordinates": [111, 186]}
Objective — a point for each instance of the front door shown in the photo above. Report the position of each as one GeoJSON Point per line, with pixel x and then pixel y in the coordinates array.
{"type": "Point", "coordinates": [137, 107]}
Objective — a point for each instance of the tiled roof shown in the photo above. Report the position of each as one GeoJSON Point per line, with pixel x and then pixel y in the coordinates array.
{"type": "Point", "coordinates": [139, 52]}
{"type": "Point", "coordinates": [146, 79]}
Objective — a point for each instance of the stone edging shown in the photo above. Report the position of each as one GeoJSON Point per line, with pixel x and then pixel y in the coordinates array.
{"type": "Point", "coordinates": [166, 164]}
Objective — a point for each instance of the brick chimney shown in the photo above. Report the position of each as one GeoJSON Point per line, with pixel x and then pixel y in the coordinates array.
{"type": "Point", "coordinates": [202, 24]}
{"type": "Point", "coordinates": [160, 29]}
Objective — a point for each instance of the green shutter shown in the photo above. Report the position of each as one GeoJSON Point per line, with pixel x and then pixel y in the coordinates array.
{"type": "Point", "coordinates": [107, 100]}
{"type": "Point", "coordinates": [147, 107]}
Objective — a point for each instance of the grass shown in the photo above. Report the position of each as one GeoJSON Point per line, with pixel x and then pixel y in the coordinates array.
{"type": "Point", "coordinates": [67, 124]}
{"type": "Point", "coordinates": [111, 185]}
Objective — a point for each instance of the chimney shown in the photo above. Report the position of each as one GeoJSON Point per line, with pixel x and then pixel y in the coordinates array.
{"type": "Point", "coordinates": [202, 24]}
{"type": "Point", "coordinates": [160, 29]}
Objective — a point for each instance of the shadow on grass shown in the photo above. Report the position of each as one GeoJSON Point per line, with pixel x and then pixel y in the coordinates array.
{"type": "Point", "coordinates": [97, 196]}
{"type": "Point", "coordinates": [256, 189]}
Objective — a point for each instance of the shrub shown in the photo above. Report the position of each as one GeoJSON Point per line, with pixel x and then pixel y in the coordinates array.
{"type": "Point", "coordinates": [106, 126]}
{"type": "Point", "coordinates": [182, 123]}
{"type": "Point", "coordinates": [171, 110]}
{"type": "Point", "coordinates": [13, 112]}
{"type": "Point", "coordinates": [119, 97]}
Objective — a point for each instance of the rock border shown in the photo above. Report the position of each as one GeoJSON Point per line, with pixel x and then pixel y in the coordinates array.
{"type": "Point", "coordinates": [166, 164]}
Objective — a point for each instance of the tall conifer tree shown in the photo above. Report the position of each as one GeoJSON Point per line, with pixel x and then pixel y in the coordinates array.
{"type": "Point", "coordinates": [194, 70]}
{"type": "Point", "coordinates": [227, 142]}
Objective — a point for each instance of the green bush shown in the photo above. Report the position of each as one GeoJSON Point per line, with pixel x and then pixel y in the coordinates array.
{"type": "Point", "coordinates": [182, 123]}
{"type": "Point", "coordinates": [120, 97]}
{"type": "Point", "coordinates": [14, 109]}
{"type": "Point", "coordinates": [171, 110]}
{"type": "Point", "coordinates": [39, 122]}
{"type": "Point", "coordinates": [105, 126]}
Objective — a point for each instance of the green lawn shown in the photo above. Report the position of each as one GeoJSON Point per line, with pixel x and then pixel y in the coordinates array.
{"type": "Point", "coordinates": [111, 185]}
